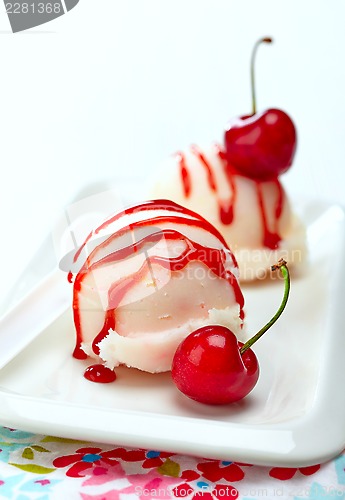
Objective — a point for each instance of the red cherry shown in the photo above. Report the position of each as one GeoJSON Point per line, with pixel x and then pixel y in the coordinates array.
{"type": "Point", "coordinates": [209, 368]}
{"type": "Point", "coordinates": [212, 367]}
{"type": "Point", "coordinates": [260, 145]}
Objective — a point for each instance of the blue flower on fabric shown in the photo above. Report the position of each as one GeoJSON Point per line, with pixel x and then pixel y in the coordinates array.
{"type": "Point", "coordinates": [91, 457]}
{"type": "Point", "coordinates": [6, 450]}
{"type": "Point", "coordinates": [39, 485]}
{"type": "Point", "coordinates": [152, 454]}
{"type": "Point", "coordinates": [24, 497]}
{"type": "Point", "coordinates": [340, 468]}
{"type": "Point", "coordinates": [319, 492]}
{"type": "Point", "coordinates": [202, 485]}
{"type": "Point", "coordinates": [7, 433]}
{"type": "Point", "coordinates": [9, 484]}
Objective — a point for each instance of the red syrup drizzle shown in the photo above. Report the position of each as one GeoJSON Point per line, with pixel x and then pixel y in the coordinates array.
{"type": "Point", "coordinates": [210, 177]}
{"type": "Point", "coordinates": [213, 258]}
{"type": "Point", "coordinates": [185, 177]}
{"type": "Point", "coordinates": [225, 207]}
{"type": "Point", "coordinates": [109, 323]}
{"type": "Point", "coordinates": [196, 221]}
{"type": "Point", "coordinates": [271, 239]}
{"type": "Point", "coordinates": [70, 277]}
{"type": "Point", "coordinates": [100, 373]}
{"type": "Point", "coordinates": [78, 352]}
{"type": "Point", "coordinates": [143, 207]}
{"type": "Point", "coordinates": [279, 205]}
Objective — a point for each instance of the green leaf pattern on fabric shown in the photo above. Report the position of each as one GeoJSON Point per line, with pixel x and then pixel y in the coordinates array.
{"type": "Point", "coordinates": [35, 469]}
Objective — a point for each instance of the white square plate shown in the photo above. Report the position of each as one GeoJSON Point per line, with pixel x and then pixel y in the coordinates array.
{"type": "Point", "coordinates": [294, 417]}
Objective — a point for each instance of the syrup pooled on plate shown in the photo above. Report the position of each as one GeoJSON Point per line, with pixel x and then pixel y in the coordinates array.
{"type": "Point", "coordinates": [99, 373]}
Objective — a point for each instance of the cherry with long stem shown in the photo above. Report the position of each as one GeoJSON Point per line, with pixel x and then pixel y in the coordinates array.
{"type": "Point", "coordinates": [212, 367]}
{"type": "Point", "coordinates": [262, 145]}
{"type": "Point", "coordinates": [286, 275]}
{"type": "Point", "coordinates": [252, 69]}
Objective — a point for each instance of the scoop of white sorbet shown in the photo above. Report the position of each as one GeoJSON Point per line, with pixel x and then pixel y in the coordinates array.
{"type": "Point", "coordinates": [153, 274]}
{"type": "Point", "coordinates": [254, 217]}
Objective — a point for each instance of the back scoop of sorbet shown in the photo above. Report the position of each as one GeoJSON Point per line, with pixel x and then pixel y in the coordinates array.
{"type": "Point", "coordinates": [254, 216]}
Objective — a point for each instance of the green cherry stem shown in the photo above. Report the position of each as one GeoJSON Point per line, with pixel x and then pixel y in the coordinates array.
{"type": "Point", "coordinates": [286, 275]}
{"type": "Point", "coordinates": [252, 70]}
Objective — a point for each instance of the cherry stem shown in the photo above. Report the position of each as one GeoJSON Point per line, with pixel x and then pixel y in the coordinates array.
{"type": "Point", "coordinates": [252, 71]}
{"type": "Point", "coordinates": [286, 275]}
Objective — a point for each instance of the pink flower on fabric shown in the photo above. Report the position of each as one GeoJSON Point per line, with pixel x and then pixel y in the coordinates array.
{"type": "Point", "coordinates": [285, 473]}
{"type": "Point", "coordinates": [87, 461]}
{"type": "Point", "coordinates": [146, 486]}
{"type": "Point", "coordinates": [104, 474]}
{"type": "Point", "coordinates": [216, 470]}
{"type": "Point", "coordinates": [109, 495]}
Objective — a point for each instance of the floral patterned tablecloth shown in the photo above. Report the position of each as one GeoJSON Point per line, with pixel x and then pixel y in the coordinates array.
{"type": "Point", "coordinates": [47, 467]}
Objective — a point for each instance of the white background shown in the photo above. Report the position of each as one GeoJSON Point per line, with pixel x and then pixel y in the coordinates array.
{"type": "Point", "coordinates": [115, 86]}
